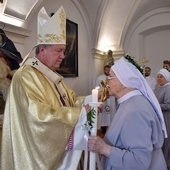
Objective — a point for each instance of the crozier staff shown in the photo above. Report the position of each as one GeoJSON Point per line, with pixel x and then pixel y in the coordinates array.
{"type": "Point", "coordinates": [136, 134]}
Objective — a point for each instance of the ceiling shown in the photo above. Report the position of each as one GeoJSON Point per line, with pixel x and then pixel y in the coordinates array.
{"type": "Point", "coordinates": [102, 14]}
{"type": "Point", "coordinates": [21, 9]}
{"type": "Point", "coordinates": [17, 12]}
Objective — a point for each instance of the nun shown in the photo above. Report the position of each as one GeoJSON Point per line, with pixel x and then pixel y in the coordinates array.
{"type": "Point", "coordinates": [162, 93]}
{"type": "Point", "coordinates": [136, 134]}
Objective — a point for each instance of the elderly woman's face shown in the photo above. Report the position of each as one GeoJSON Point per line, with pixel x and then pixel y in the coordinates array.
{"type": "Point", "coordinates": [161, 80]}
{"type": "Point", "coordinates": [115, 85]}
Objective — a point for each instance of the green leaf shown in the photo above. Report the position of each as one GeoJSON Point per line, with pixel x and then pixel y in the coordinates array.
{"type": "Point", "coordinates": [90, 116]}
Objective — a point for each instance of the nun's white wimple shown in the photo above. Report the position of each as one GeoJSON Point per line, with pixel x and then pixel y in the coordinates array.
{"type": "Point", "coordinates": [165, 73]}
{"type": "Point", "coordinates": [131, 77]}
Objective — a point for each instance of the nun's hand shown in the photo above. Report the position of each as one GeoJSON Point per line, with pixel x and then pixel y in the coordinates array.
{"type": "Point", "coordinates": [98, 145]}
{"type": "Point", "coordinates": [87, 107]}
{"type": "Point", "coordinates": [100, 108]}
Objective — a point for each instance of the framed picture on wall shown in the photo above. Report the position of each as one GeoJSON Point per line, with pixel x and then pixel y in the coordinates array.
{"type": "Point", "coordinates": [69, 66]}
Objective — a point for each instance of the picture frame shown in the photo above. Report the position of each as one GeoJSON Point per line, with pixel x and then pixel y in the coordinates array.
{"type": "Point", "coordinates": [69, 66]}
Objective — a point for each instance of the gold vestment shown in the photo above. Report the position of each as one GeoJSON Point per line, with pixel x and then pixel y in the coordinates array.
{"type": "Point", "coordinates": [36, 126]}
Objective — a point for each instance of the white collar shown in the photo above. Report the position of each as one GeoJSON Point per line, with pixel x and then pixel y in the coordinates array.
{"type": "Point", "coordinates": [128, 95]}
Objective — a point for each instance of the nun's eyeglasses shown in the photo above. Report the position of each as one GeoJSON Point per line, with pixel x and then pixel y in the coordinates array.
{"type": "Point", "coordinates": [110, 78]}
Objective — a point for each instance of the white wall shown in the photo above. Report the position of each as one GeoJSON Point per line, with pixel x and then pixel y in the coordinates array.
{"type": "Point", "coordinates": [149, 37]}
{"type": "Point", "coordinates": [157, 49]}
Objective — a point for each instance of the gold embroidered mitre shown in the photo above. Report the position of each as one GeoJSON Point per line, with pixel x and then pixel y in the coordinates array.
{"type": "Point", "coordinates": [52, 30]}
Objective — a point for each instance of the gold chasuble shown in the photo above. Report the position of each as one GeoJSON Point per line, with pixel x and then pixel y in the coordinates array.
{"type": "Point", "coordinates": [37, 127]}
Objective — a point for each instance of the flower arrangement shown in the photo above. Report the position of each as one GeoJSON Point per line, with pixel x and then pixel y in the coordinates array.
{"type": "Point", "coordinates": [131, 60]}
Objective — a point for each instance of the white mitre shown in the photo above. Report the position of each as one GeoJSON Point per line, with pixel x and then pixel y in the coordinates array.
{"type": "Point", "coordinates": [51, 30]}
